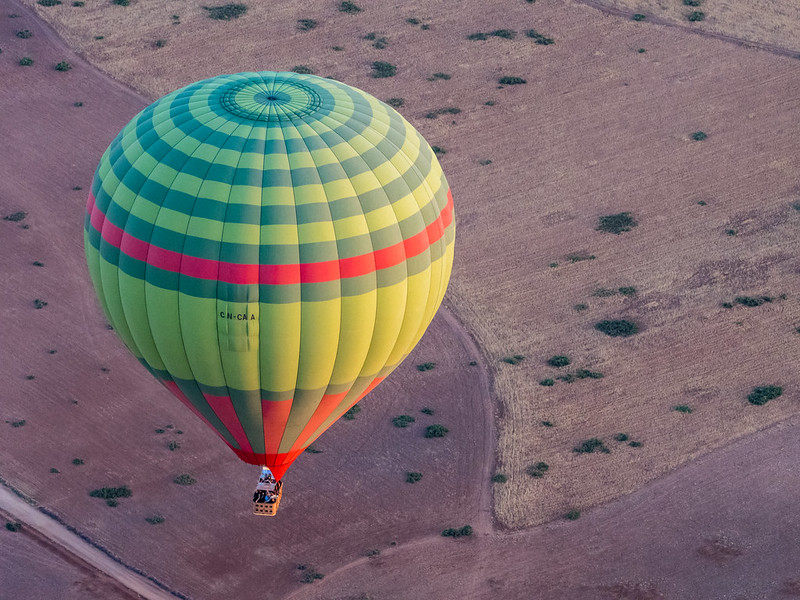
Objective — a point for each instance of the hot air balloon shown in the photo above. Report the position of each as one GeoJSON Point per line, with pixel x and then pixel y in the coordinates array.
{"type": "Point", "coordinates": [270, 246]}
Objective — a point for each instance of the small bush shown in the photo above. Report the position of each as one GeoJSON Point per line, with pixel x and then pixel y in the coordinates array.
{"type": "Point", "coordinates": [380, 43]}
{"type": "Point", "coordinates": [16, 217]}
{"type": "Point", "coordinates": [155, 519]}
{"type": "Point", "coordinates": [313, 450]}
{"type": "Point", "coordinates": [641, 50]}
{"type": "Point", "coordinates": [546, 423]}
{"type": "Point", "coordinates": [30, 377]}
{"type": "Point", "coordinates": [310, 575]}
{"type": "Point", "coordinates": [514, 360]}
{"type": "Point", "coordinates": [306, 24]}
{"type": "Point", "coordinates": [78, 3]}
{"type": "Point", "coordinates": [24, 34]}
{"type": "Point", "coordinates": [49, 2]}
{"type": "Point", "coordinates": [13, 527]}
{"type": "Point", "coordinates": [450, 110]}
{"type": "Point", "coordinates": [617, 328]}
{"type": "Point", "coordinates": [499, 478]}
{"type": "Point", "coordinates": [112, 492]}
{"type": "Point", "coordinates": [426, 411]}
{"type": "Point", "coordinates": [579, 256]}
{"type": "Point", "coordinates": [635, 444]}
{"type": "Point", "coordinates": [616, 223]}
{"type": "Point", "coordinates": [351, 413]}
{"type": "Point", "coordinates": [438, 150]}
{"type": "Point", "coordinates": [396, 102]}
{"type": "Point", "coordinates": [639, 17]}
{"type": "Point", "coordinates": [696, 15]}
{"type": "Point", "coordinates": [428, 366]}
{"type": "Point", "coordinates": [751, 301]}
{"type": "Point", "coordinates": [20, 423]}
{"type": "Point", "coordinates": [121, 2]}
{"type": "Point", "coordinates": [349, 7]}
{"type": "Point", "coordinates": [372, 553]}
{"type": "Point", "coordinates": [604, 292]}
{"type": "Point", "coordinates": [558, 361]}
{"type": "Point", "coordinates": [763, 394]}
{"type": "Point", "coordinates": [185, 479]}
{"type": "Point", "coordinates": [540, 39]}
{"type": "Point", "coordinates": [160, 430]}
{"type": "Point", "coordinates": [506, 34]}
{"type": "Point", "coordinates": [436, 76]}
{"type": "Point", "coordinates": [537, 470]}
{"type": "Point", "coordinates": [112, 502]}
{"type": "Point", "coordinates": [160, 43]}
{"type": "Point", "coordinates": [474, 363]}
{"type": "Point", "coordinates": [25, 61]}
{"type": "Point", "coordinates": [381, 69]}
{"type": "Point", "coordinates": [413, 21]}
{"type": "Point", "coordinates": [682, 408]}
{"type": "Point", "coordinates": [413, 476]}
{"type": "Point", "coordinates": [692, 2]}
{"type": "Point", "coordinates": [590, 446]}
{"type": "Point", "coordinates": [436, 431]}
{"type": "Point", "coordinates": [465, 531]}
{"type": "Point", "coordinates": [77, 461]}
{"type": "Point", "coordinates": [403, 421]}
{"type": "Point", "coordinates": [173, 445]}
{"type": "Point", "coordinates": [511, 80]}
{"type": "Point", "coordinates": [727, 305]}
{"type": "Point", "coordinates": [63, 66]}
{"type": "Point", "coordinates": [581, 307]}
{"type": "Point", "coordinates": [587, 374]}
{"type": "Point", "coordinates": [627, 290]}
{"type": "Point", "coordinates": [699, 136]}
{"type": "Point", "coordinates": [478, 36]}
{"type": "Point", "coordinates": [572, 515]}
{"type": "Point", "coordinates": [303, 69]}
{"type": "Point", "coordinates": [226, 12]}
{"type": "Point", "coordinates": [484, 162]}
{"type": "Point", "coordinates": [547, 382]}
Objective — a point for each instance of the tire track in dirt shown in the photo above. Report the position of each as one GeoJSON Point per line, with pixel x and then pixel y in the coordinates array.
{"type": "Point", "coordinates": [628, 14]}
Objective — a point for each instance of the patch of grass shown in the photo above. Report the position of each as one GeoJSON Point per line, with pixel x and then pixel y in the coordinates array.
{"type": "Point", "coordinates": [590, 446]}
{"type": "Point", "coordinates": [77, 461]}
{"type": "Point", "coordinates": [25, 61]}
{"type": "Point", "coordinates": [121, 2]}
{"type": "Point", "coordinates": [381, 69]}
{"type": "Point", "coordinates": [428, 366]}
{"type": "Point", "coordinates": [537, 470]}
{"type": "Point", "coordinates": [587, 374]}
{"type": "Point", "coordinates": [751, 301]}
{"type": "Point", "coordinates": [413, 476]}
{"type": "Point", "coordinates": [24, 34]}
{"type": "Point", "coordinates": [484, 162]}
{"type": "Point", "coordinates": [567, 378]}
{"type": "Point", "coordinates": [184, 479]}
{"type": "Point", "coordinates": [547, 382]}
{"type": "Point", "coordinates": [628, 290]}
{"type": "Point", "coordinates": [682, 408]}
{"type": "Point", "coordinates": [581, 307]}
{"type": "Point", "coordinates": [226, 12]}
{"type": "Point", "coordinates": [413, 21]}
{"type": "Point", "coordinates": [313, 450]}
{"type": "Point", "coordinates": [604, 292]}
{"type": "Point", "coordinates": [449, 110]}
{"type": "Point", "coordinates": [617, 328]}
{"type": "Point", "coordinates": [499, 478]}
{"type": "Point", "coordinates": [639, 17]}
{"type": "Point", "coordinates": [395, 102]}
{"type": "Point", "coordinates": [464, 531]}
{"type": "Point", "coordinates": [173, 445]}
{"type": "Point", "coordinates": [696, 15]}
{"type": "Point", "coordinates": [692, 2]}
{"type": "Point", "coordinates": [730, 232]}
{"type": "Point", "coordinates": [155, 519]}
{"type": "Point", "coordinates": [426, 411]}
{"type": "Point", "coordinates": [436, 431]}
{"type": "Point", "coordinates": [54, 470]}
{"type": "Point", "coordinates": [306, 24]}
{"type": "Point", "coordinates": [540, 39]}
{"type": "Point", "coordinates": [160, 430]}
{"type": "Point", "coordinates": [727, 305]}
{"type": "Point", "coordinates": [511, 80]}
{"type": "Point", "coordinates": [435, 76]}
{"type": "Point", "coordinates": [489, 103]}
{"type": "Point", "coordinates": [558, 361]}
{"type": "Point", "coordinates": [372, 553]}
{"type": "Point", "coordinates": [310, 574]}
{"type": "Point", "coordinates": [48, 2]}
{"type": "Point", "coordinates": [506, 34]}
{"type": "Point", "coordinates": [514, 360]}
{"type": "Point", "coordinates": [579, 256]}
{"type": "Point", "coordinates": [63, 66]}
{"type": "Point", "coordinates": [16, 217]}
{"type": "Point", "coordinates": [13, 526]}
{"type": "Point", "coordinates": [349, 7]}
{"type": "Point", "coordinates": [78, 3]}
{"type": "Point", "coordinates": [112, 492]}
{"type": "Point", "coordinates": [763, 394]}
{"type": "Point", "coordinates": [352, 412]}
{"type": "Point", "coordinates": [337, 48]}
{"type": "Point", "coordinates": [635, 444]}
{"type": "Point", "coordinates": [572, 515]}
{"type": "Point", "coordinates": [617, 223]}
{"type": "Point", "coordinates": [438, 150]}
{"type": "Point", "coordinates": [699, 136]}
{"type": "Point", "coordinates": [403, 421]}
{"type": "Point", "coordinates": [546, 423]}
{"type": "Point", "coordinates": [30, 377]}
{"type": "Point", "coordinates": [19, 423]}
{"type": "Point", "coordinates": [303, 69]}
{"type": "Point", "coordinates": [478, 36]}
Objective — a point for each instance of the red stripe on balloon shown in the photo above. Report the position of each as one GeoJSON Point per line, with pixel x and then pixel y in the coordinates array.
{"type": "Point", "coordinates": [203, 268]}
{"type": "Point", "coordinates": [223, 408]}
{"type": "Point", "coordinates": [275, 414]}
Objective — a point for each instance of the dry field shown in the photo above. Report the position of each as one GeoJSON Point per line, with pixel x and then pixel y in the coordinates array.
{"type": "Point", "coordinates": [600, 128]}
{"type": "Point", "coordinates": [774, 22]}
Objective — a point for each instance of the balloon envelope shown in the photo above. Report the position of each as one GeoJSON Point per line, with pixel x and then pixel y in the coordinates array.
{"type": "Point", "coordinates": [270, 246]}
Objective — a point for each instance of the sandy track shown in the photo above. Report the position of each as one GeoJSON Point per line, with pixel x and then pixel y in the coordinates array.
{"type": "Point", "coordinates": [71, 543]}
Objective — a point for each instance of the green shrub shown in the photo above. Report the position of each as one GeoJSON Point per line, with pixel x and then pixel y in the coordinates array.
{"type": "Point", "coordinates": [763, 394]}
{"type": "Point", "coordinates": [696, 15]}
{"type": "Point", "coordinates": [121, 2]}
{"type": "Point", "coordinates": [591, 445]}
{"type": "Point", "coordinates": [63, 66]}
{"type": "Point", "coordinates": [617, 328]}
{"type": "Point", "coordinates": [16, 217]}
{"type": "Point", "coordinates": [580, 307]}
{"type": "Point", "coordinates": [579, 256]}
{"type": "Point", "coordinates": [436, 76]}
{"type": "Point", "coordinates": [572, 515]}
{"type": "Point", "coordinates": [303, 70]}
{"type": "Point", "coordinates": [546, 423]}
{"type": "Point", "coordinates": [403, 421]}
{"type": "Point", "coordinates": [426, 411]}
{"type": "Point", "coordinates": [78, 3]}
{"type": "Point", "coordinates": [641, 50]}
{"type": "Point", "coordinates": [699, 136]}
{"type": "Point", "coordinates": [306, 24]}
{"type": "Point", "coordinates": [438, 150]}
{"type": "Point", "coordinates": [396, 102]}
{"type": "Point", "coordinates": [413, 476]}
{"type": "Point", "coordinates": [587, 374]}
{"type": "Point", "coordinates": [558, 361]}
{"type": "Point", "coordinates": [506, 34]}
{"type": "Point", "coordinates": [547, 382]}
{"type": "Point", "coordinates": [313, 449]}
{"type": "Point", "coordinates": [381, 69]}
{"type": "Point", "coordinates": [185, 479]}
{"type": "Point", "coordinates": [436, 431]}
{"type": "Point", "coordinates": [616, 223]}
{"type": "Point", "coordinates": [226, 12]}
{"type": "Point", "coordinates": [635, 444]}
{"type": "Point", "coordinates": [25, 61]}
{"type": "Point", "coordinates": [24, 34]}
{"type": "Point", "coordinates": [173, 445]}
{"type": "Point", "coordinates": [727, 305]}
{"type": "Point", "coordinates": [428, 366]}
{"type": "Point", "coordinates": [352, 412]}
{"type": "Point", "coordinates": [751, 301]}
{"type": "Point", "coordinates": [567, 378]}
{"type": "Point", "coordinates": [155, 519]}
{"type": "Point", "coordinates": [465, 531]}
{"type": "Point", "coordinates": [514, 360]}
{"type": "Point", "coordinates": [160, 430]}
{"type": "Point", "coordinates": [604, 292]}
{"type": "Point", "coordinates": [639, 17]}
{"type": "Point", "coordinates": [450, 110]}
{"type": "Point", "coordinates": [540, 39]}
{"type": "Point", "coordinates": [13, 527]}
{"type": "Point", "coordinates": [627, 290]}
{"type": "Point", "coordinates": [54, 470]}
{"type": "Point", "coordinates": [478, 36]}
{"type": "Point", "coordinates": [511, 80]}
{"type": "Point", "coordinates": [19, 423]}
{"type": "Point", "coordinates": [537, 470]}
{"type": "Point", "coordinates": [112, 492]}
{"type": "Point", "coordinates": [682, 408]}
{"type": "Point", "coordinates": [49, 2]}
{"type": "Point", "coordinates": [77, 461]}
{"type": "Point", "coordinates": [311, 575]}
{"type": "Point", "coordinates": [692, 2]}
{"type": "Point", "coordinates": [499, 478]}
{"type": "Point", "coordinates": [160, 43]}
{"type": "Point", "coordinates": [413, 21]}
{"type": "Point", "coordinates": [349, 7]}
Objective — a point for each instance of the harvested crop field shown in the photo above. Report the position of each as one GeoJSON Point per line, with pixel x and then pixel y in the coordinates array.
{"type": "Point", "coordinates": [608, 122]}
